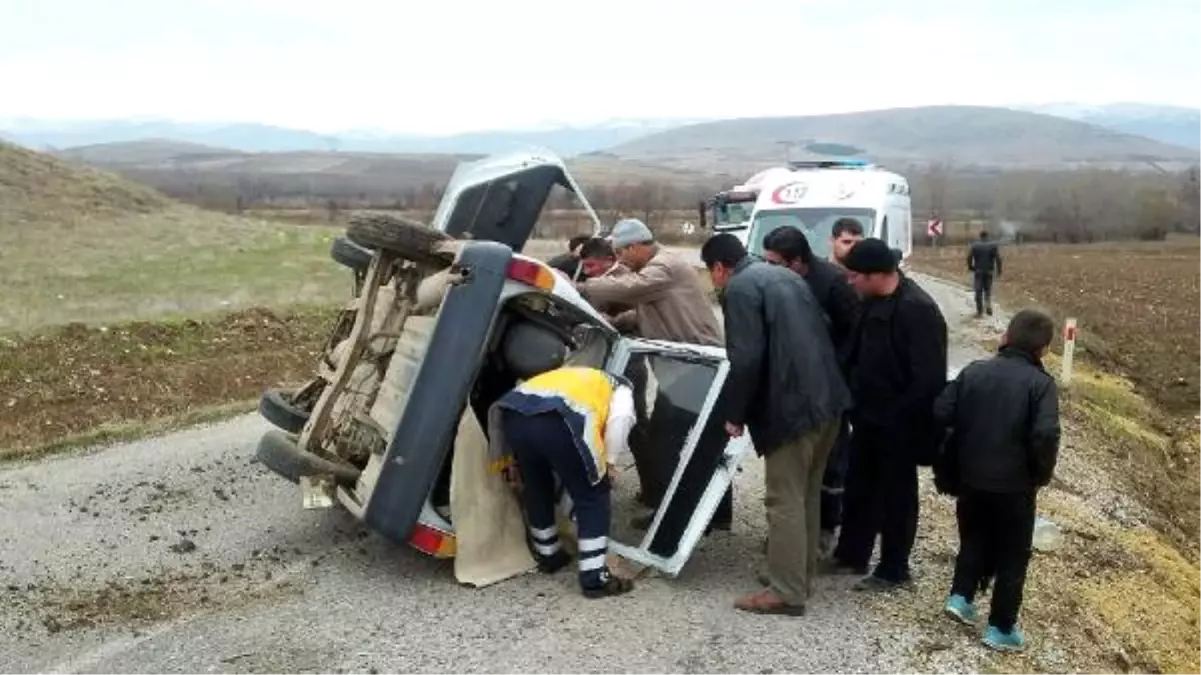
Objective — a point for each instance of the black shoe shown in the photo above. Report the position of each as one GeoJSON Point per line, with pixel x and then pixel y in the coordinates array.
{"type": "Point", "coordinates": [642, 499]}
{"type": "Point", "coordinates": [875, 584]}
{"type": "Point", "coordinates": [988, 311]}
{"type": "Point", "coordinates": [553, 563]}
{"type": "Point", "coordinates": [835, 567]}
{"type": "Point", "coordinates": [610, 586]}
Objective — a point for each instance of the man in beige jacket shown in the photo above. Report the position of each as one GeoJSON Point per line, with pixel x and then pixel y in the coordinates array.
{"type": "Point", "coordinates": [669, 304]}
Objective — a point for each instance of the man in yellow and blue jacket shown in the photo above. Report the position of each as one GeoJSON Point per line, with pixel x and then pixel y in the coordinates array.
{"type": "Point", "coordinates": [572, 422]}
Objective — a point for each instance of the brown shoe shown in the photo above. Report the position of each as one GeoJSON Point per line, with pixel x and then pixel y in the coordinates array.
{"type": "Point", "coordinates": [767, 602]}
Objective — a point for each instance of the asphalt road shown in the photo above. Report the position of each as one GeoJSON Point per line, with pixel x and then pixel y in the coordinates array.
{"type": "Point", "coordinates": [179, 554]}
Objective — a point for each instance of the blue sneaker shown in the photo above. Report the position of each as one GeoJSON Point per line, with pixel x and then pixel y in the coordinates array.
{"type": "Point", "coordinates": [1013, 641]}
{"type": "Point", "coordinates": [961, 610]}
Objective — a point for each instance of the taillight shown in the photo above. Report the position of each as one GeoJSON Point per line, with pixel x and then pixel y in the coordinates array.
{"type": "Point", "coordinates": [530, 272]}
{"type": "Point", "coordinates": [431, 541]}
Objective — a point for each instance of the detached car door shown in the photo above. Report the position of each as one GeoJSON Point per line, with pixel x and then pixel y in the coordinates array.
{"type": "Point", "coordinates": [687, 382]}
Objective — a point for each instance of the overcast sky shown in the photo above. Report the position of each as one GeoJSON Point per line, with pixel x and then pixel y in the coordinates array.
{"type": "Point", "coordinates": [446, 66]}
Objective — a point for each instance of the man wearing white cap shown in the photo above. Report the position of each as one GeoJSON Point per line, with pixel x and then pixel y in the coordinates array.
{"type": "Point", "coordinates": [670, 304]}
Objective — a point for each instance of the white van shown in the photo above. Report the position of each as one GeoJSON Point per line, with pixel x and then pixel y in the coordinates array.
{"type": "Point", "coordinates": [812, 195]}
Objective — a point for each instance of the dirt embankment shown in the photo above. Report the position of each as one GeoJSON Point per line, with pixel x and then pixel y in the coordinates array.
{"type": "Point", "coordinates": [1122, 592]}
{"type": "Point", "coordinates": [80, 383]}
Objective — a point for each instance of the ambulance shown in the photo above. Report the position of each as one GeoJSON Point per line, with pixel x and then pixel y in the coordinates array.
{"type": "Point", "coordinates": [811, 196]}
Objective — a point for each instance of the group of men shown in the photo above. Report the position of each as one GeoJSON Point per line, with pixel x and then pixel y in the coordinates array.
{"type": "Point", "coordinates": [835, 370]}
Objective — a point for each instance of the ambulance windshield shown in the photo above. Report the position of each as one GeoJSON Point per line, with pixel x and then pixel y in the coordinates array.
{"type": "Point", "coordinates": [816, 223]}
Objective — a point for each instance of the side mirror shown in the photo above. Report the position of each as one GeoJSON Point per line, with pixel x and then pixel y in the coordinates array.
{"type": "Point", "coordinates": [701, 211]}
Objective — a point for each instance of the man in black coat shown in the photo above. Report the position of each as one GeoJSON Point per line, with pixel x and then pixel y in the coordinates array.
{"type": "Point", "coordinates": [789, 247]}
{"type": "Point", "coordinates": [983, 261]}
{"type": "Point", "coordinates": [785, 387]}
{"type": "Point", "coordinates": [897, 367]}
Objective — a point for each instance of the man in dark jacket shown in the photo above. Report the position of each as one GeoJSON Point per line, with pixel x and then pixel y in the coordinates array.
{"type": "Point", "coordinates": [569, 263]}
{"type": "Point", "coordinates": [789, 247]}
{"type": "Point", "coordinates": [1003, 414]}
{"type": "Point", "coordinates": [784, 385]}
{"type": "Point", "coordinates": [983, 259]}
{"type": "Point", "coordinates": [898, 366]}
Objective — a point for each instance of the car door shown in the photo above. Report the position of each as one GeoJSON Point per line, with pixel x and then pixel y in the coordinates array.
{"type": "Point", "coordinates": [687, 382]}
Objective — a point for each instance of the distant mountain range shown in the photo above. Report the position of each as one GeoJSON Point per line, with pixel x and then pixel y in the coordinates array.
{"type": "Point", "coordinates": [253, 137]}
{"type": "Point", "coordinates": [986, 138]}
{"type": "Point", "coordinates": [968, 137]}
{"type": "Point", "coordinates": [1173, 125]}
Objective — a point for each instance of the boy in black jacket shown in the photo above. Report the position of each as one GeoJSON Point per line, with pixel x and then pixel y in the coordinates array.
{"type": "Point", "coordinates": [1003, 414]}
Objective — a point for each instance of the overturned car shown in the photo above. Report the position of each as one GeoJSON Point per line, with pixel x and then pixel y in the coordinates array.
{"type": "Point", "coordinates": [435, 334]}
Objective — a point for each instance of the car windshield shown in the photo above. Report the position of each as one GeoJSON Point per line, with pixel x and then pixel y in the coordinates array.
{"type": "Point", "coordinates": [816, 223]}
{"type": "Point", "coordinates": [732, 214]}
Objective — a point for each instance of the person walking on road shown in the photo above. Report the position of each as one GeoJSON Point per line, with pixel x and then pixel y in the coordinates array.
{"type": "Point", "coordinates": [984, 262]}
{"type": "Point", "coordinates": [788, 247]}
{"type": "Point", "coordinates": [573, 423]}
{"type": "Point", "coordinates": [1003, 414]}
{"type": "Point", "coordinates": [783, 386]}
{"type": "Point", "coordinates": [669, 304]}
{"type": "Point", "coordinates": [897, 367]}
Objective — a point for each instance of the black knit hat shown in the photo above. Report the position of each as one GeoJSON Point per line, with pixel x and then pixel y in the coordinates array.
{"type": "Point", "coordinates": [870, 256]}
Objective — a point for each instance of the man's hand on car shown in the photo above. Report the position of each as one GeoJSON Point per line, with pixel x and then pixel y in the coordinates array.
{"type": "Point", "coordinates": [734, 430]}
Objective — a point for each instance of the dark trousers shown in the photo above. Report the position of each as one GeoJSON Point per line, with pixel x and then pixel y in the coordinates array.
{"type": "Point", "coordinates": [657, 455]}
{"type": "Point", "coordinates": [995, 530]}
{"type": "Point", "coordinates": [982, 289]}
{"type": "Point", "coordinates": [880, 498]}
{"type": "Point", "coordinates": [543, 447]}
{"type": "Point", "coordinates": [834, 479]}
{"type": "Point", "coordinates": [636, 372]}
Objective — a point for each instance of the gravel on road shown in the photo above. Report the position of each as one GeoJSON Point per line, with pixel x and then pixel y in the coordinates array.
{"type": "Point", "coordinates": [180, 554]}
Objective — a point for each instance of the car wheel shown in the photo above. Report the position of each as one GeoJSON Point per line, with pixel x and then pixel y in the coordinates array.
{"type": "Point", "coordinates": [350, 254]}
{"type": "Point", "coordinates": [276, 407]}
{"type": "Point", "coordinates": [406, 238]}
{"type": "Point", "coordinates": [279, 452]}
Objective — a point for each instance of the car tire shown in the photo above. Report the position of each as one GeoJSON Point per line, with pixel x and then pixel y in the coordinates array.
{"type": "Point", "coordinates": [276, 407]}
{"type": "Point", "coordinates": [406, 238]}
{"type": "Point", "coordinates": [350, 254]}
{"type": "Point", "coordinates": [278, 451]}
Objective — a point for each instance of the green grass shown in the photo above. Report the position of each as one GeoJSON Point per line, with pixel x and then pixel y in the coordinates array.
{"type": "Point", "coordinates": [175, 262]}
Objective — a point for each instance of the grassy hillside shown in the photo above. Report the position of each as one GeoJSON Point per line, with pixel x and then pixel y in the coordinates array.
{"type": "Point", "coordinates": [961, 135]}
{"type": "Point", "coordinates": [36, 190]}
{"type": "Point", "coordinates": [78, 244]}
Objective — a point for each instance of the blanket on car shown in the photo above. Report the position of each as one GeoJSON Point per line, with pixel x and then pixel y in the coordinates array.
{"type": "Point", "coordinates": [490, 532]}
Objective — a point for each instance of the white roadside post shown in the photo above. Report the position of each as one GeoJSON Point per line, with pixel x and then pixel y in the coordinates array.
{"type": "Point", "coordinates": [1069, 350]}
